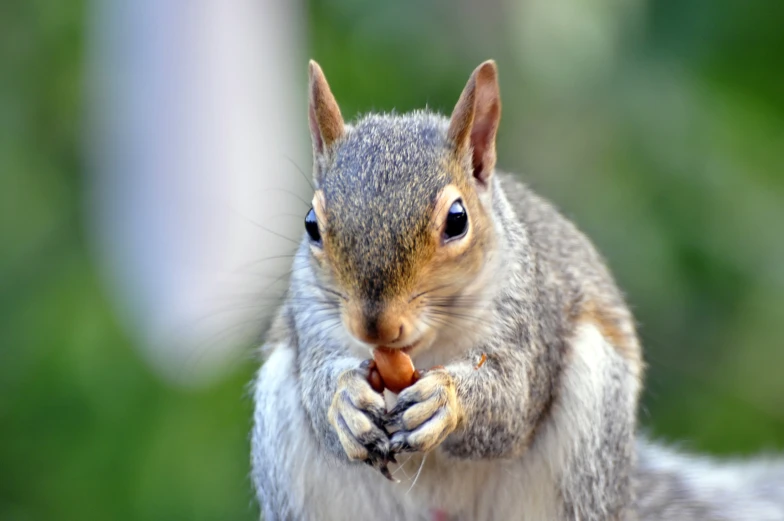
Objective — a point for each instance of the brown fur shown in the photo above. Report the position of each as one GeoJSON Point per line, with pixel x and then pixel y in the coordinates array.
{"type": "Point", "coordinates": [326, 122]}
{"type": "Point", "coordinates": [611, 324]}
{"type": "Point", "coordinates": [429, 270]}
{"type": "Point", "coordinates": [475, 120]}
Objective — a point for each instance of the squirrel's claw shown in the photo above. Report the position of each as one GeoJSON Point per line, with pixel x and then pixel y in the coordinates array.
{"type": "Point", "coordinates": [356, 414]}
{"type": "Point", "coordinates": [385, 472]}
{"type": "Point", "coordinates": [400, 444]}
{"type": "Point", "coordinates": [382, 465]}
{"type": "Point", "coordinates": [425, 414]}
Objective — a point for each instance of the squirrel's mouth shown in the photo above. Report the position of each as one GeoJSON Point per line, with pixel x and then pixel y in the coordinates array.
{"type": "Point", "coordinates": [406, 349]}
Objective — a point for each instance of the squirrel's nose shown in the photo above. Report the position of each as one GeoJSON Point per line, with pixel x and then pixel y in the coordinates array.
{"type": "Point", "coordinates": [381, 330]}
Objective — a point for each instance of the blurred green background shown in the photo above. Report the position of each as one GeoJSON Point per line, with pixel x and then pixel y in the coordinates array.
{"type": "Point", "coordinates": [657, 125]}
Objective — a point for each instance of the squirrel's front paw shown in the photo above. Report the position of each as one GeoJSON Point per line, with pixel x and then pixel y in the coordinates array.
{"type": "Point", "coordinates": [357, 415]}
{"type": "Point", "coordinates": [425, 414]}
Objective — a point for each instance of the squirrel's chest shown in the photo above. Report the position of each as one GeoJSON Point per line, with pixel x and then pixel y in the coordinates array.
{"type": "Point", "coordinates": [438, 488]}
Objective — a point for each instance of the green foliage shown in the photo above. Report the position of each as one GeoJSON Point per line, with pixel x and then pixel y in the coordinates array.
{"type": "Point", "coordinates": [667, 150]}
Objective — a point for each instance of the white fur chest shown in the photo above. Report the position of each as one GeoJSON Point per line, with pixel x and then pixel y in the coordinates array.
{"type": "Point", "coordinates": [525, 488]}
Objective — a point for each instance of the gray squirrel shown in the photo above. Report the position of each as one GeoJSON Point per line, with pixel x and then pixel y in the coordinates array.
{"type": "Point", "coordinates": [529, 365]}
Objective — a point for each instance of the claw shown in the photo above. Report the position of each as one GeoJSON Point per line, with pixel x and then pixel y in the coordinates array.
{"type": "Point", "coordinates": [381, 465]}
{"type": "Point", "coordinates": [400, 407]}
{"type": "Point", "coordinates": [399, 444]}
{"type": "Point", "coordinates": [385, 472]}
{"type": "Point", "coordinates": [393, 420]}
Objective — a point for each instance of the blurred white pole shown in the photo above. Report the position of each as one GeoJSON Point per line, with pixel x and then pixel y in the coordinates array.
{"type": "Point", "coordinates": [198, 125]}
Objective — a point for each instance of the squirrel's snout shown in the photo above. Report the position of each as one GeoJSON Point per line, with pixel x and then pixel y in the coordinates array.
{"type": "Point", "coordinates": [380, 332]}
{"type": "Point", "coordinates": [386, 327]}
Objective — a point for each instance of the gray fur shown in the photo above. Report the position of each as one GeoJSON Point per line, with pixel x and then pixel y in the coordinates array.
{"type": "Point", "coordinates": [674, 486]}
{"type": "Point", "coordinates": [547, 424]}
{"type": "Point", "coordinates": [383, 180]}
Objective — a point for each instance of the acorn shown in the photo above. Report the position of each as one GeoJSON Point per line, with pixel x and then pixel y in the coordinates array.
{"type": "Point", "coordinates": [395, 368]}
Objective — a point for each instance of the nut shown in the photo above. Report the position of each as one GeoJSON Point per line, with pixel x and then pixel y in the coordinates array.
{"type": "Point", "coordinates": [395, 367]}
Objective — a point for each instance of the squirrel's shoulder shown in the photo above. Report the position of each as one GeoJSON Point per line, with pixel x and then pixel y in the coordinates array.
{"type": "Point", "coordinates": [550, 232]}
{"type": "Point", "coordinates": [573, 267]}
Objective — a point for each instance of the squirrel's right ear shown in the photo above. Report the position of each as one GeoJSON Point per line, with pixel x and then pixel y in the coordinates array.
{"type": "Point", "coordinates": [474, 121]}
{"type": "Point", "coordinates": [326, 123]}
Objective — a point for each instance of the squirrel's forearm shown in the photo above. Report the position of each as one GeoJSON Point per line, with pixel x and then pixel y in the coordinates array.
{"type": "Point", "coordinates": [500, 405]}
{"type": "Point", "coordinates": [318, 376]}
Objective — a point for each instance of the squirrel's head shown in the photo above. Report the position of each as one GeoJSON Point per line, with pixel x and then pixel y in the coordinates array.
{"type": "Point", "coordinates": [401, 222]}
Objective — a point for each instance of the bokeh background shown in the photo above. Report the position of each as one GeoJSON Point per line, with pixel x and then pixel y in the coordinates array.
{"type": "Point", "coordinates": [657, 125]}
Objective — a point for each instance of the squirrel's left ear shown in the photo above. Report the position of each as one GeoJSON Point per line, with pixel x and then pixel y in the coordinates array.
{"type": "Point", "coordinates": [474, 121]}
{"type": "Point", "coordinates": [326, 123]}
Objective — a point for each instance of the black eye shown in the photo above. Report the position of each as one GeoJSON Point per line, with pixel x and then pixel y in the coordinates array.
{"type": "Point", "coordinates": [311, 226]}
{"type": "Point", "coordinates": [456, 221]}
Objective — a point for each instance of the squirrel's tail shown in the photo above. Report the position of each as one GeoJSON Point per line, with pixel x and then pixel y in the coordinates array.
{"type": "Point", "coordinates": [675, 487]}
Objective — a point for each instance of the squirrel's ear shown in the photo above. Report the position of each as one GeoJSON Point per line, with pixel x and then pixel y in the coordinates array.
{"type": "Point", "coordinates": [474, 121]}
{"type": "Point", "coordinates": [326, 123]}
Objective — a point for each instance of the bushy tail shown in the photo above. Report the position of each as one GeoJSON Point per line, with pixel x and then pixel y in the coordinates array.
{"type": "Point", "coordinates": [671, 486]}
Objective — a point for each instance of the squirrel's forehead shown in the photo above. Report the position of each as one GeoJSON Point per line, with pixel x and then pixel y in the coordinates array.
{"type": "Point", "coordinates": [379, 236]}
{"type": "Point", "coordinates": [389, 153]}
{"type": "Point", "coordinates": [392, 143]}
{"type": "Point", "coordinates": [383, 208]}
{"type": "Point", "coordinates": [379, 197]}
{"type": "Point", "coordinates": [391, 175]}
{"type": "Point", "coordinates": [386, 175]}
{"type": "Point", "coordinates": [390, 205]}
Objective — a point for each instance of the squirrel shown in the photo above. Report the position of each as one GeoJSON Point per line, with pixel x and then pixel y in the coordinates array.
{"type": "Point", "coordinates": [530, 364]}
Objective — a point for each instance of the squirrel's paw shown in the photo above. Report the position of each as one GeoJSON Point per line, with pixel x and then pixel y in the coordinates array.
{"type": "Point", "coordinates": [357, 415]}
{"type": "Point", "coordinates": [425, 414]}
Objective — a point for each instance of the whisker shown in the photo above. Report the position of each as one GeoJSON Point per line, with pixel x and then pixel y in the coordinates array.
{"type": "Point", "coordinates": [289, 192]}
{"type": "Point", "coordinates": [416, 477]}
{"type": "Point", "coordinates": [262, 227]}
{"type": "Point", "coordinates": [305, 177]}
{"type": "Point", "coordinates": [452, 314]}
{"type": "Point", "coordinates": [336, 293]}
{"type": "Point", "coordinates": [427, 291]}
{"type": "Point", "coordinates": [242, 267]}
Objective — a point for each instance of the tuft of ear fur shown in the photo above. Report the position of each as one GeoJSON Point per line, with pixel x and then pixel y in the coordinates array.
{"type": "Point", "coordinates": [475, 119]}
{"type": "Point", "coordinates": [326, 122]}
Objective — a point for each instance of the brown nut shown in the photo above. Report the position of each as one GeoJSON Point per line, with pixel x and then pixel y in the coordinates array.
{"type": "Point", "coordinates": [395, 367]}
{"type": "Point", "coordinates": [374, 377]}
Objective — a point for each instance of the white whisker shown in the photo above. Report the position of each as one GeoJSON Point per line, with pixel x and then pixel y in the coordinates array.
{"type": "Point", "coordinates": [424, 457]}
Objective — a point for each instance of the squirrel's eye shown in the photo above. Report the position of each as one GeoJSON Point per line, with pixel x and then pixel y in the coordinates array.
{"type": "Point", "coordinates": [456, 221]}
{"type": "Point", "coordinates": [311, 226]}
